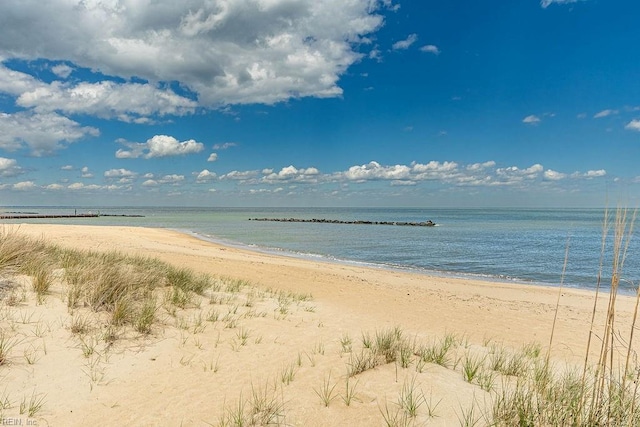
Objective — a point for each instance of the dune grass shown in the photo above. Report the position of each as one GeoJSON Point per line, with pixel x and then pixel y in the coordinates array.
{"type": "Point", "coordinates": [605, 391]}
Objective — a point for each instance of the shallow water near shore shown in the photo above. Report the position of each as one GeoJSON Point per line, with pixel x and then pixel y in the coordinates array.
{"type": "Point", "coordinates": [515, 245]}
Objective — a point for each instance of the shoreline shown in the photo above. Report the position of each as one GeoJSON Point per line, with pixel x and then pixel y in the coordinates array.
{"type": "Point", "coordinates": [434, 274]}
{"type": "Point", "coordinates": [276, 270]}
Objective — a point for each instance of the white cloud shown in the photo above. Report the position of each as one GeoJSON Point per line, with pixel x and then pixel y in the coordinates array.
{"type": "Point", "coordinates": [128, 102]}
{"type": "Point", "coordinates": [76, 186]}
{"type": "Point", "coordinates": [43, 134]}
{"type": "Point", "coordinates": [552, 175]}
{"type": "Point", "coordinates": [62, 70]}
{"type": "Point", "coordinates": [480, 166]}
{"type": "Point", "coordinates": [514, 175]}
{"type": "Point", "coordinates": [605, 113]}
{"type": "Point", "coordinates": [24, 186]}
{"type": "Point", "coordinates": [16, 83]}
{"type": "Point", "coordinates": [531, 120]}
{"type": "Point", "coordinates": [430, 48]}
{"type": "Point", "coordinates": [86, 173]}
{"type": "Point", "coordinates": [212, 157]}
{"type": "Point", "coordinates": [172, 179]}
{"type": "Point", "coordinates": [224, 146]}
{"type": "Point", "coordinates": [150, 183]}
{"type": "Point", "coordinates": [446, 173]}
{"type": "Point", "coordinates": [292, 174]}
{"type": "Point", "coordinates": [239, 175]}
{"type": "Point", "coordinates": [375, 54]}
{"type": "Point", "coordinates": [595, 173]}
{"type": "Point", "coordinates": [205, 176]}
{"type": "Point", "coordinates": [9, 167]}
{"type": "Point", "coordinates": [54, 187]}
{"type": "Point", "coordinates": [228, 52]}
{"type": "Point", "coordinates": [546, 3]}
{"type": "Point", "coordinates": [406, 43]}
{"type": "Point", "coordinates": [158, 146]}
{"type": "Point", "coordinates": [633, 125]}
{"type": "Point", "coordinates": [122, 176]}
{"type": "Point", "coordinates": [434, 166]}
{"type": "Point", "coordinates": [389, 5]}
{"type": "Point", "coordinates": [374, 171]}
{"type": "Point", "coordinates": [67, 168]}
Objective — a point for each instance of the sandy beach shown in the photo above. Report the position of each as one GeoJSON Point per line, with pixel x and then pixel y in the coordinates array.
{"type": "Point", "coordinates": [193, 372]}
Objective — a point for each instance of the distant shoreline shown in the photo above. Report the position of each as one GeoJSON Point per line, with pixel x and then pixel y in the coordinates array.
{"type": "Point", "coordinates": [27, 215]}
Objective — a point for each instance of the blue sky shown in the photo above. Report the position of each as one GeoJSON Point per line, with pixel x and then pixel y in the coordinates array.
{"type": "Point", "coordinates": [319, 103]}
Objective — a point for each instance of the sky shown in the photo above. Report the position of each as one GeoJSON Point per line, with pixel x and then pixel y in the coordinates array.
{"type": "Point", "coordinates": [455, 103]}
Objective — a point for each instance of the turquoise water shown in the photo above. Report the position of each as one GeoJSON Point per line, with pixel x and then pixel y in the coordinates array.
{"type": "Point", "coordinates": [516, 245]}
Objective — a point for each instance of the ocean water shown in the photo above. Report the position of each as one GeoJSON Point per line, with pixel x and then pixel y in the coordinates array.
{"type": "Point", "coordinates": [516, 245]}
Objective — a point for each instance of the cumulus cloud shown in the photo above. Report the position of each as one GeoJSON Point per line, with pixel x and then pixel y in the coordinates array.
{"type": "Point", "coordinates": [239, 175]}
{"type": "Point", "coordinates": [172, 179]}
{"type": "Point", "coordinates": [228, 52]}
{"type": "Point", "coordinates": [595, 173]}
{"type": "Point", "coordinates": [16, 83]}
{"type": "Point", "coordinates": [62, 70]}
{"type": "Point", "coordinates": [212, 157]}
{"type": "Point", "coordinates": [118, 173]}
{"type": "Point", "coordinates": [128, 102]}
{"type": "Point", "coordinates": [529, 172]}
{"type": "Point", "coordinates": [42, 134]}
{"type": "Point", "coordinates": [76, 186]}
{"type": "Point", "coordinates": [86, 173]}
{"type": "Point", "coordinates": [446, 173]}
{"type": "Point", "coordinates": [552, 175]}
{"type": "Point", "coordinates": [122, 176]}
{"type": "Point", "coordinates": [67, 168]}
{"type": "Point", "coordinates": [430, 48]}
{"type": "Point", "coordinates": [374, 171]}
{"type": "Point", "coordinates": [158, 146]}
{"type": "Point", "coordinates": [480, 166]}
{"type": "Point", "coordinates": [9, 167]}
{"type": "Point", "coordinates": [205, 176]}
{"type": "Point", "coordinates": [406, 43]}
{"type": "Point", "coordinates": [531, 120]}
{"type": "Point", "coordinates": [24, 186]}
{"type": "Point", "coordinates": [633, 125]}
{"type": "Point", "coordinates": [292, 174]}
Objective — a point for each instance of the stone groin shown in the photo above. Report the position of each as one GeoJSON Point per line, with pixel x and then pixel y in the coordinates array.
{"type": "Point", "coordinates": [428, 223]}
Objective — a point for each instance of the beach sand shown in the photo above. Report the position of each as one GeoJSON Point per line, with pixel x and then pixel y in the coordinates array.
{"type": "Point", "coordinates": [194, 372]}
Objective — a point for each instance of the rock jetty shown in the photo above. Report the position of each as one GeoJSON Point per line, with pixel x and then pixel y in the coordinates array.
{"type": "Point", "coordinates": [428, 223]}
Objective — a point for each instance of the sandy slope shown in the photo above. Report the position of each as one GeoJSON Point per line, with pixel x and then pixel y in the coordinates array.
{"type": "Point", "coordinates": [193, 372]}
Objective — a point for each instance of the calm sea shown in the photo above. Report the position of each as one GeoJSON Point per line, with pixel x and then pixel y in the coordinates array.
{"type": "Point", "coordinates": [515, 245]}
